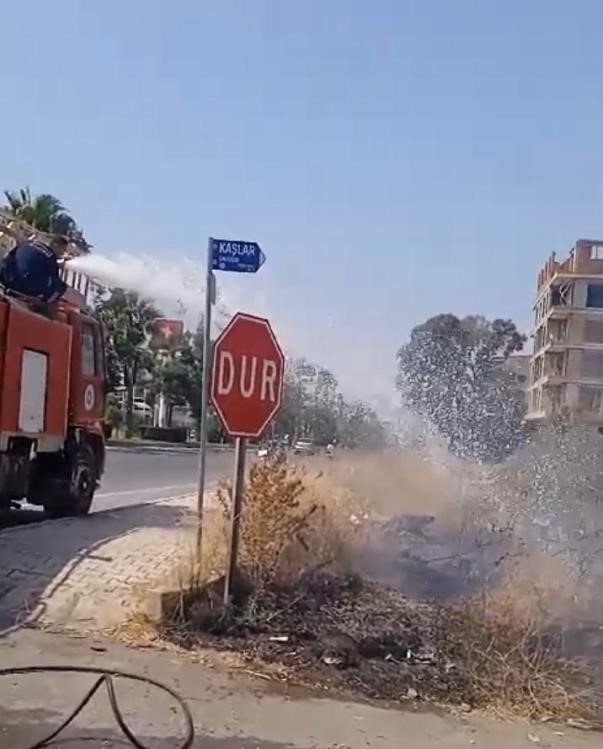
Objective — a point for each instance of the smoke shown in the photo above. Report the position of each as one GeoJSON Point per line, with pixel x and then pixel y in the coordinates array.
{"type": "Point", "coordinates": [535, 518]}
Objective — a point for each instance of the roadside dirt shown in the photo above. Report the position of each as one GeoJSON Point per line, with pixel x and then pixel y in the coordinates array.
{"type": "Point", "coordinates": [347, 634]}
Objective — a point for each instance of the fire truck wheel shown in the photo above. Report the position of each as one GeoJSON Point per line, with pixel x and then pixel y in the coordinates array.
{"type": "Point", "coordinates": [82, 485]}
{"type": "Point", "coordinates": [83, 481]}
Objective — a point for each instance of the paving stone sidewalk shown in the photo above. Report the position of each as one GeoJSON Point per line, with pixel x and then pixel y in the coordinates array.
{"type": "Point", "coordinates": [85, 574]}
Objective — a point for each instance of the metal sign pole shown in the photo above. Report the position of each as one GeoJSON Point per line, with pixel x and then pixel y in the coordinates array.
{"type": "Point", "coordinates": [235, 517]}
{"type": "Point", "coordinates": [210, 292]}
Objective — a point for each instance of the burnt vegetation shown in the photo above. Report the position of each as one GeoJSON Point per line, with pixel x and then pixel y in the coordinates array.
{"type": "Point", "coordinates": [306, 607]}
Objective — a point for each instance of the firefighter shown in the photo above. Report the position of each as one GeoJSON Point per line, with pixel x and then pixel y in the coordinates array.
{"type": "Point", "coordinates": [32, 268]}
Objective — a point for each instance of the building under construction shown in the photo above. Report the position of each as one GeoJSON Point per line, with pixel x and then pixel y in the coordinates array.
{"type": "Point", "coordinates": [566, 368]}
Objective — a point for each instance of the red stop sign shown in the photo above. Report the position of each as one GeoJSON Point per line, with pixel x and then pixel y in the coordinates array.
{"type": "Point", "coordinates": [247, 377]}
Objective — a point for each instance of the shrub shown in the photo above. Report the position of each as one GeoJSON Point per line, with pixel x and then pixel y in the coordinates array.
{"type": "Point", "coordinates": [286, 530]}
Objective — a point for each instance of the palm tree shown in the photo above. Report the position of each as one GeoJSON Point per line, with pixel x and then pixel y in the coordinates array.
{"type": "Point", "coordinates": [44, 212]}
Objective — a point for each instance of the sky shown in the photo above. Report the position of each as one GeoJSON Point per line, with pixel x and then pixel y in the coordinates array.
{"type": "Point", "coordinates": [394, 159]}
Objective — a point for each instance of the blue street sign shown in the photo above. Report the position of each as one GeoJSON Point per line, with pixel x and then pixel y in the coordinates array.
{"type": "Point", "coordinates": [236, 256]}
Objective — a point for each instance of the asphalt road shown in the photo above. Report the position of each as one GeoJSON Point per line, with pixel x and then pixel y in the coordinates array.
{"type": "Point", "coordinates": [135, 476]}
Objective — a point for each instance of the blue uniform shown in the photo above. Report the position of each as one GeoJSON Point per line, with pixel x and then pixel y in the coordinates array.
{"type": "Point", "coordinates": [32, 269]}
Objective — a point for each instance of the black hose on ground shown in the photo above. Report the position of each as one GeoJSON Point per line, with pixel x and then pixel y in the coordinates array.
{"type": "Point", "coordinates": [106, 677]}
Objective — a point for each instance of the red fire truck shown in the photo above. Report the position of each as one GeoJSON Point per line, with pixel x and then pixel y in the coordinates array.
{"type": "Point", "coordinates": [52, 400]}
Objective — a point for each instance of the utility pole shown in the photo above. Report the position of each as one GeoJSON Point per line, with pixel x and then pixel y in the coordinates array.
{"type": "Point", "coordinates": [210, 298]}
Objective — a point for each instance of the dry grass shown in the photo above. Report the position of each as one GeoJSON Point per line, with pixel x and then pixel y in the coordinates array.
{"type": "Point", "coordinates": [289, 527]}
{"type": "Point", "coordinates": [302, 531]}
{"type": "Point", "coordinates": [510, 642]}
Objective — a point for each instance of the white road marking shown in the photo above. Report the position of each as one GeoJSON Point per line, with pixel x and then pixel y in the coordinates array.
{"type": "Point", "coordinates": [145, 489]}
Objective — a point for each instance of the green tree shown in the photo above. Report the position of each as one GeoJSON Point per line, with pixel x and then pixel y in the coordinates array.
{"type": "Point", "coordinates": [359, 426]}
{"type": "Point", "coordinates": [113, 368]}
{"type": "Point", "coordinates": [313, 408]}
{"type": "Point", "coordinates": [191, 360]}
{"type": "Point", "coordinates": [113, 413]}
{"type": "Point", "coordinates": [178, 374]}
{"type": "Point", "coordinates": [175, 373]}
{"type": "Point", "coordinates": [44, 212]}
{"type": "Point", "coordinates": [128, 321]}
{"type": "Point", "coordinates": [451, 374]}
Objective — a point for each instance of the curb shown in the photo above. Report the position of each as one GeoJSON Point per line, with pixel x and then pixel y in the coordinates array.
{"type": "Point", "coordinates": [35, 523]}
{"type": "Point", "coordinates": [166, 447]}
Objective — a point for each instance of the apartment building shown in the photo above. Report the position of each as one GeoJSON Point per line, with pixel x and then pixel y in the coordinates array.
{"type": "Point", "coordinates": [519, 365]}
{"type": "Point", "coordinates": [566, 368]}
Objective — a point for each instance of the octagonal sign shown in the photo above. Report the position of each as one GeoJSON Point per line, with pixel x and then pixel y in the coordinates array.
{"type": "Point", "coordinates": [247, 375]}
